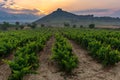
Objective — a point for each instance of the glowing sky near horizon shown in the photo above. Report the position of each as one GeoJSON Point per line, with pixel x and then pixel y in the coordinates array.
{"type": "Point", "coordinates": [47, 6]}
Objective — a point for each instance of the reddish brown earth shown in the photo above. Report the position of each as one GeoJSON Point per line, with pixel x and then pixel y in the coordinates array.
{"type": "Point", "coordinates": [4, 68]}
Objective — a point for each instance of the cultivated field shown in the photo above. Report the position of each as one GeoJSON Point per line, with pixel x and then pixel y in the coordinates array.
{"type": "Point", "coordinates": [60, 54]}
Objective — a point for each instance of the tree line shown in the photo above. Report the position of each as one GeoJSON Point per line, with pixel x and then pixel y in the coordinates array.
{"type": "Point", "coordinates": [17, 25]}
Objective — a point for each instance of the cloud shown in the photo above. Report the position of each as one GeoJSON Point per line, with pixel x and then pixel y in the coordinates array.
{"type": "Point", "coordinates": [116, 13]}
{"type": "Point", "coordinates": [8, 3]}
{"type": "Point", "coordinates": [21, 11]}
{"type": "Point", "coordinates": [28, 11]}
{"type": "Point", "coordinates": [2, 4]}
{"type": "Point", "coordinates": [93, 11]}
{"type": "Point", "coordinates": [19, 15]}
{"type": "Point", "coordinates": [81, 7]}
{"type": "Point", "coordinates": [99, 12]}
{"type": "Point", "coordinates": [10, 11]}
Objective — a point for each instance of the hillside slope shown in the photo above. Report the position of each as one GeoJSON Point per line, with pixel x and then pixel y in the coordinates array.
{"type": "Point", "coordinates": [59, 17]}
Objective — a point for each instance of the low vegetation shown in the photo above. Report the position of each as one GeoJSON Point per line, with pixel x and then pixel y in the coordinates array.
{"type": "Point", "coordinates": [92, 26]}
{"type": "Point", "coordinates": [26, 58]}
{"type": "Point", "coordinates": [102, 44]}
{"type": "Point", "coordinates": [63, 55]}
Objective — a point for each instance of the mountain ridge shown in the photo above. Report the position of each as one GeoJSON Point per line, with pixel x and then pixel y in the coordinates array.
{"type": "Point", "coordinates": [59, 17]}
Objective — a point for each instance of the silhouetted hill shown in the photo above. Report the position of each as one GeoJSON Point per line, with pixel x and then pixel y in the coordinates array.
{"type": "Point", "coordinates": [59, 17]}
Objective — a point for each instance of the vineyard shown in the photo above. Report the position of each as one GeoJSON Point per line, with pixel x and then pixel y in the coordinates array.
{"type": "Point", "coordinates": [103, 45]}
{"type": "Point", "coordinates": [60, 54]}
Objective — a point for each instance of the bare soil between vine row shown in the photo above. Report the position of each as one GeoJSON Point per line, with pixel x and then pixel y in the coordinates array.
{"type": "Point", "coordinates": [47, 69]}
{"type": "Point", "coordinates": [88, 68]}
{"type": "Point", "coordinates": [5, 70]}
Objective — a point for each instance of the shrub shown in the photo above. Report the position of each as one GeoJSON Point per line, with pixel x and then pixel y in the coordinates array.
{"type": "Point", "coordinates": [92, 26]}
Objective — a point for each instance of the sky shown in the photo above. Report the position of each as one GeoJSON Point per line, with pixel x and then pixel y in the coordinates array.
{"type": "Point", "coordinates": [44, 7]}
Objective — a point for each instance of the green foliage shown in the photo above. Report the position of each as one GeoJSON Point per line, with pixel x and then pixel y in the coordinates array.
{"type": "Point", "coordinates": [17, 24]}
{"type": "Point", "coordinates": [62, 53]}
{"type": "Point", "coordinates": [33, 25]}
{"type": "Point", "coordinates": [103, 45]}
{"type": "Point", "coordinates": [21, 26]}
{"type": "Point", "coordinates": [17, 75]}
{"type": "Point", "coordinates": [9, 26]}
{"type": "Point", "coordinates": [27, 44]}
{"type": "Point", "coordinates": [92, 26]}
{"type": "Point", "coordinates": [74, 26]}
{"type": "Point", "coordinates": [93, 47]}
{"type": "Point", "coordinates": [42, 25]}
{"type": "Point", "coordinates": [5, 25]}
{"type": "Point", "coordinates": [81, 26]}
{"type": "Point", "coordinates": [108, 56]}
{"type": "Point", "coordinates": [66, 24]}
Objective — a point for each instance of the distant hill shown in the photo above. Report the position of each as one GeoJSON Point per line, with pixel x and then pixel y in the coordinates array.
{"type": "Point", "coordinates": [59, 17]}
{"type": "Point", "coordinates": [22, 17]}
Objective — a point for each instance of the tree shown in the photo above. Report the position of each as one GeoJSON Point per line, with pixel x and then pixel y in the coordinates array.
{"type": "Point", "coordinates": [21, 26]}
{"type": "Point", "coordinates": [66, 24]}
{"type": "Point", "coordinates": [81, 26]}
{"type": "Point", "coordinates": [42, 25]}
{"type": "Point", "coordinates": [74, 26]}
{"type": "Point", "coordinates": [5, 25]}
{"type": "Point", "coordinates": [17, 23]}
{"type": "Point", "coordinates": [28, 25]}
{"type": "Point", "coordinates": [16, 28]}
{"type": "Point", "coordinates": [92, 26]}
{"type": "Point", "coordinates": [33, 25]}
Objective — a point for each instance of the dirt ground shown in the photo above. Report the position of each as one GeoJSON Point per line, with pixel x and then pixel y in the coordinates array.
{"type": "Point", "coordinates": [5, 70]}
{"type": "Point", "coordinates": [88, 69]}
{"type": "Point", "coordinates": [47, 69]}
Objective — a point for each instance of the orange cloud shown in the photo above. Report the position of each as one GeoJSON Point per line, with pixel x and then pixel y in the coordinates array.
{"type": "Point", "coordinates": [44, 6]}
{"type": "Point", "coordinates": [47, 6]}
